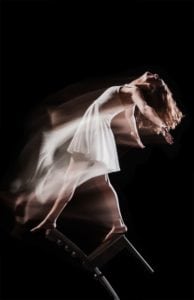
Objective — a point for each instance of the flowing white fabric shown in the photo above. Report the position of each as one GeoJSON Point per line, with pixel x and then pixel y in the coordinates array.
{"type": "Point", "coordinates": [90, 138]}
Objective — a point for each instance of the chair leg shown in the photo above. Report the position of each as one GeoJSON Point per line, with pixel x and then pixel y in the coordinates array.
{"type": "Point", "coordinates": [134, 251]}
{"type": "Point", "coordinates": [108, 250]}
{"type": "Point", "coordinates": [105, 283]}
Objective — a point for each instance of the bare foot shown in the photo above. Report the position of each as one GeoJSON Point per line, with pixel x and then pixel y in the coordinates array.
{"type": "Point", "coordinates": [44, 225]}
{"type": "Point", "coordinates": [115, 231]}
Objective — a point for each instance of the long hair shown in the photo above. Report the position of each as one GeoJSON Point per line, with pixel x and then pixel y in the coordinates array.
{"type": "Point", "coordinates": [161, 99]}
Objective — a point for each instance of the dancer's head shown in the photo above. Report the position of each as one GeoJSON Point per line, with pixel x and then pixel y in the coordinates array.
{"type": "Point", "coordinates": [157, 95]}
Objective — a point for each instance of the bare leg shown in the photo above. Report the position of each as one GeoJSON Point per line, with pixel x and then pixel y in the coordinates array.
{"type": "Point", "coordinates": [117, 223]}
{"type": "Point", "coordinates": [71, 180]}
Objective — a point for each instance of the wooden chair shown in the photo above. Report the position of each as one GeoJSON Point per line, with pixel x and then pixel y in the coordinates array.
{"type": "Point", "coordinates": [97, 258]}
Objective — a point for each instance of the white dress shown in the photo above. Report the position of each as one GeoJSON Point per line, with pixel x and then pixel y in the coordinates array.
{"type": "Point", "coordinates": [94, 137]}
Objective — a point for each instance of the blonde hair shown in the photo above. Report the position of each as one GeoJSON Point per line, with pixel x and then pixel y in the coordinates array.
{"type": "Point", "coordinates": [161, 99]}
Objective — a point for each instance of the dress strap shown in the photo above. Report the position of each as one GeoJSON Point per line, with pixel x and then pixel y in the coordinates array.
{"type": "Point", "coordinates": [118, 88]}
{"type": "Point", "coordinates": [128, 85]}
{"type": "Point", "coordinates": [124, 85]}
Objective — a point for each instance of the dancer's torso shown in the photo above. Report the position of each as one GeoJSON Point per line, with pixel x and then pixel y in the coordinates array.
{"type": "Point", "coordinates": [110, 102]}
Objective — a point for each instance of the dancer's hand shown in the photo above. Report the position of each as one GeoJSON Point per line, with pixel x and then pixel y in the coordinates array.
{"type": "Point", "coordinates": [168, 137]}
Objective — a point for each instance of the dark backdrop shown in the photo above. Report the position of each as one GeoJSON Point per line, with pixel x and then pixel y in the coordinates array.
{"type": "Point", "coordinates": [45, 46]}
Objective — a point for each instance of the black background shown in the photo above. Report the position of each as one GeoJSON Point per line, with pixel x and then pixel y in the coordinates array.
{"type": "Point", "coordinates": [45, 46]}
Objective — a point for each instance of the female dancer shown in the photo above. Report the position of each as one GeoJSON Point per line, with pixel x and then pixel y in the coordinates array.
{"type": "Point", "coordinates": [91, 149]}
